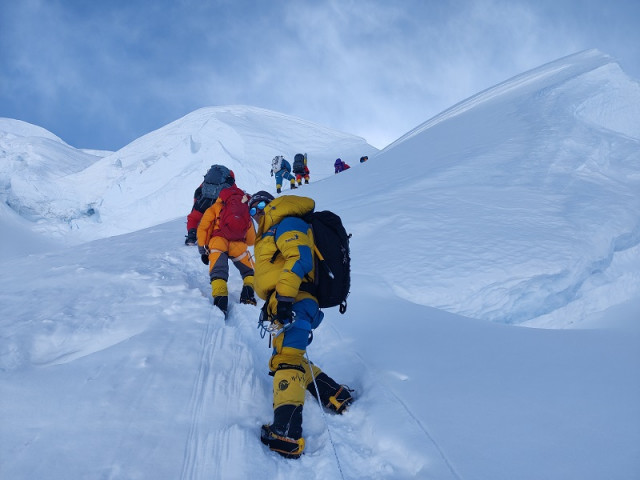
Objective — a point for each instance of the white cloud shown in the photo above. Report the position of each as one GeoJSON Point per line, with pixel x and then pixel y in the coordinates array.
{"type": "Point", "coordinates": [366, 67]}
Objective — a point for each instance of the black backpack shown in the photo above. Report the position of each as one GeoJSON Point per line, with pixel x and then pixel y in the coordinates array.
{"type": "Point", "coordinates": [217, 178]}
{"type": "Point", "coordinates": [298, 163]}
{"type": "Point", "coordinates": [333, 260]}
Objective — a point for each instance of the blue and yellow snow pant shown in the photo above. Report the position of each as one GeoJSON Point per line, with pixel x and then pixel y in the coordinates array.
{"type": "Point", "coordinates": [283, 173]}
{"type": "Point", "coordinates": [288, 364]}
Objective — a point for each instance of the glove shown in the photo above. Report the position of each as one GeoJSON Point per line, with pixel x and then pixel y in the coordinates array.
{"type": "Point", "coordinates": [205, 259]}
{"type": "Point", "coordinates": [264, 313]}
{"type": "Point", "coordinates": [284, 312]}
{"type": "Point", "coordinates": [202, 250]}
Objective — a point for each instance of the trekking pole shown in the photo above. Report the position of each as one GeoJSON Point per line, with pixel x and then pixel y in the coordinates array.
{"type": "Point", "coordinates": [324, 416]}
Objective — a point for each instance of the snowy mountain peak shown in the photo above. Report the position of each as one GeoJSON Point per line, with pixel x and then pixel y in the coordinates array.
{"type": "Point", "coordinates": [150, 181]}
{"type": "Point", "coordinates": [11, 128]}
{"type": "Point", "coordinates": [592, 70]}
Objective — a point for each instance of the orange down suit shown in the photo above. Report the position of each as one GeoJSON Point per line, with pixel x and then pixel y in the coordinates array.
{"type": "Point", "coordinates": [221, 250]}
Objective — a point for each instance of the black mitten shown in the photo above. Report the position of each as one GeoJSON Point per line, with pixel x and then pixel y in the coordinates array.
{"type": "Point", "coordinates": [284, 313]}
{"type": "Point", "coordinates": [205, 259]}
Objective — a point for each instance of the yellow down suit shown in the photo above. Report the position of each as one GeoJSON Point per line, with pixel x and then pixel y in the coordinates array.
{"type": "Point", "coordinates": [284, 261]}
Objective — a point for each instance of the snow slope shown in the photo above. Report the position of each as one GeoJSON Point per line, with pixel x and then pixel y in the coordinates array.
{"type": "Point", "coordinates": [516, 207]}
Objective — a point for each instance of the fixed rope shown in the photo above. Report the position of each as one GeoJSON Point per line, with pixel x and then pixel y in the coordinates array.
{"type": "Point", "coordinates": [324, 416]}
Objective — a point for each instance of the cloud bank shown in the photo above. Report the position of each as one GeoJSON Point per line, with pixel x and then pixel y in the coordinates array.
{"type": "Point", "coordinates": [371, 68]}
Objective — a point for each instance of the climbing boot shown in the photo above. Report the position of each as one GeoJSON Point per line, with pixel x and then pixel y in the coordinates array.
{"type": "Point", "coordinates": [191, 237]}
{"type": "Point", "coordinates": [333, 396]}
{"type": "Point", "coordinates": [341, 400]}
{"type": "Point", "coordinates": [222, 302]}
{"type": "Point", "coordinates": [247, 296]}
{"type": "Point", "coordinates": [286, 446]}
{"type": "Point", "coordinates": [284, 435]}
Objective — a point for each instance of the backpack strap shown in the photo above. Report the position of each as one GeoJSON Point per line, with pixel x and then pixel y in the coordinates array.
{"type": "Point", "coordinates": [307, 284]}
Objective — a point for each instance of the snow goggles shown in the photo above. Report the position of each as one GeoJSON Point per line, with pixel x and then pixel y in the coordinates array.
{"type": "Point", "coordinates": [260, 206]}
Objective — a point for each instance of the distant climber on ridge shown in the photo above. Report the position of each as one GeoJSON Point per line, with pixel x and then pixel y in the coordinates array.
{"type": "Point", "coordinates": [340, 166]}
{"type": "Point", "coordinates": [300, 168]}
{"type": "Point", "coordinates": [281, 168]}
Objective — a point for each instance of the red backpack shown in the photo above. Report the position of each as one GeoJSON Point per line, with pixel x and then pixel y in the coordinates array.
{"type": "Point", "coordinates": [234, 221]}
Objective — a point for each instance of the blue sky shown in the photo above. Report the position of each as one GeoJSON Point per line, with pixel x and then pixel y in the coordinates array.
{"type": "Point", "coordinates": [101, 74]}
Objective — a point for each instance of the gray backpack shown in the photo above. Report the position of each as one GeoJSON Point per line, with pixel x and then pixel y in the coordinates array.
{"type": "Point", "coordinates": [216, 179]}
